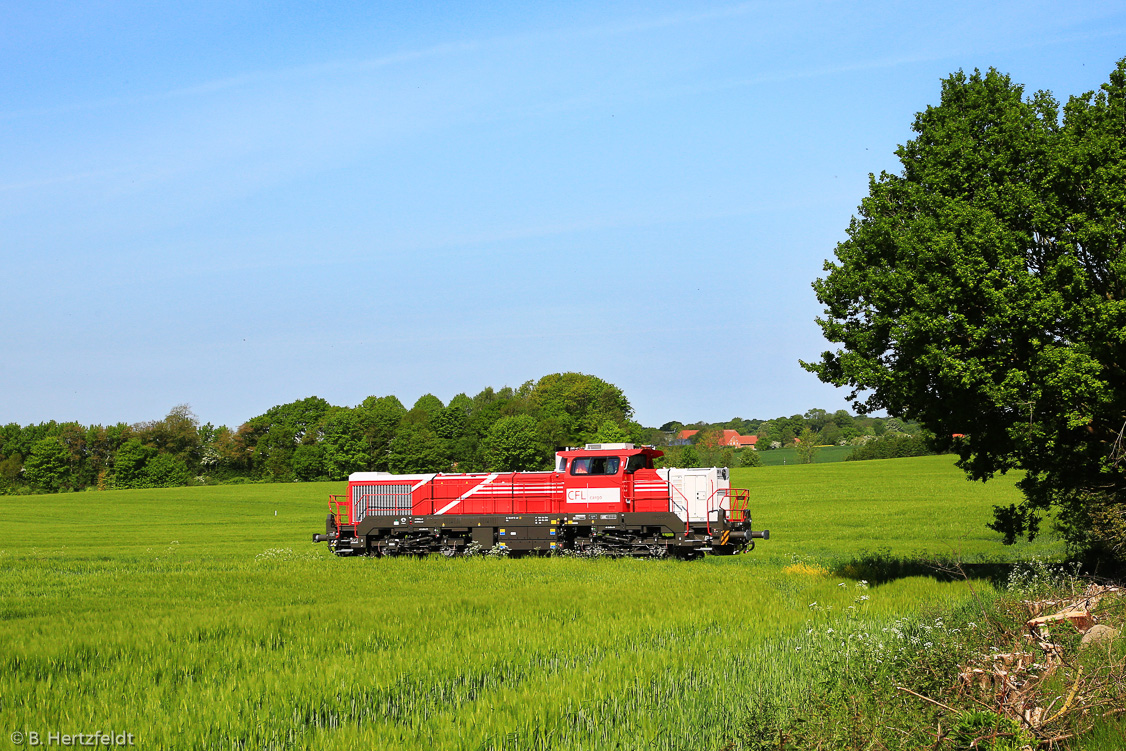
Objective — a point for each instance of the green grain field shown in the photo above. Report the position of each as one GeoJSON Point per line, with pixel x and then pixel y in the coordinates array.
{"type": "Point", "coordinates": [824, 455]}
{"type": "Point", "coordinates": [203, 618]}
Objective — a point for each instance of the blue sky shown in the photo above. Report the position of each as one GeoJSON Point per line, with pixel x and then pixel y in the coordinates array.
{"type": "Point", "coordinates": [235, 205]}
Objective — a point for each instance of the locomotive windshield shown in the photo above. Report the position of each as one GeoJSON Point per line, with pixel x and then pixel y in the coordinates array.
{"type": "Point", "coordinates": [596, 465]}
{"type": "Point", "coordinates": [638, 461]}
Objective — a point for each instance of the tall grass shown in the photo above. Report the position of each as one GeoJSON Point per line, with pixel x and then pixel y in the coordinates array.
{"type": "Point", "coordinates": [196, 618]}
{"type": "Point", "coordinates": [920, 505]}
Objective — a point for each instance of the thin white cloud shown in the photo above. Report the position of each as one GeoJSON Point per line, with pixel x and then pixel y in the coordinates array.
{"type": "Point", "coordinates": [58, 180]}
{"type": "Point", "coordinates": [345, 68]}
{"type": "Point", "coordinates": [351, 67]}
{"type": "Point", "coordinates": [342, 67]}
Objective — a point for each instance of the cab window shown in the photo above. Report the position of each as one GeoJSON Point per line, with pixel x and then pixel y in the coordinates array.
{"type": "Point", "coordinates": [596, 465]}
{"type": "Point", "coordinates": [639, 461]}
{"type": "Point", "coordinates": [561, 464]}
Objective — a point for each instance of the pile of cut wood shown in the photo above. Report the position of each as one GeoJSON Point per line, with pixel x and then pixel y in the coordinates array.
{"type": "Point", "coordinates": [1015, 684]}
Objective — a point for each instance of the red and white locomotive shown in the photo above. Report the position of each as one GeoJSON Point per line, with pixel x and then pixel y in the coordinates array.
{"type": "Point", "coordinates": [601, 499]}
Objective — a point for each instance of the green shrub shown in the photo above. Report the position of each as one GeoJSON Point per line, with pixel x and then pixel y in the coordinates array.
{"type": "Point", "coordinates": [893, 447]}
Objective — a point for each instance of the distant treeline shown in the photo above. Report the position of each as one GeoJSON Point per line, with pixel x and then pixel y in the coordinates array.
{"type": "Point", "coordinates": [894, 447]}
{"type": "Point", "coordinates": [823, 428]}
{"type": "Point", "coordinates": [310, 439]}
{"type": "Point", "coordinates": [871, 437]}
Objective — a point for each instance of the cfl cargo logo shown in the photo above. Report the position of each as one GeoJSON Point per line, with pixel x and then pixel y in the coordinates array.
{"type": "Point", "coordinates": [594, 495]}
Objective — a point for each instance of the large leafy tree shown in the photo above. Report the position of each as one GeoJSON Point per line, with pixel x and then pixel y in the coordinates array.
{"type": "Point", "coordinates": [610, 432]}
{"type": "Point", "coordinates": [345, 445]}
{"type": "Point", "coordinates": [572, 407]}
{"type": "Point", "coordinates": [982, 292]}
{"type": "Point", "coordinates": [381, 417]}
{"type": "Point", "coordinates": [514, 443]}
{"type": "Point", "coordinates": [48, 466]}
{"type": "Point", "coordinates": [130, 463]}
{"type": "Point", "coordinates": [308, 462]}
{"type": "Point", "coordinates": [177, 434]}
{"type": "Point", "coordinates": [271, 438]}
{"type": "Point", "coordinates": [165, 471]}
{"type": "Point", "coordinates": [429, 404]}
{"type": "Point", "coordinates": [417, 448]}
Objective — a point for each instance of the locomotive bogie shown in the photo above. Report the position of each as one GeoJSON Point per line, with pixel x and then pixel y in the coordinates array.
{"type": "Point", "coordinates": [645, 535]}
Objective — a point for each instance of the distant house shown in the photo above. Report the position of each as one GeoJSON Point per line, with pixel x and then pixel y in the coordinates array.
{"type": "Point", "coordinates": [733, 439]}
{"type": "Point", "coordinates": [730, 438]}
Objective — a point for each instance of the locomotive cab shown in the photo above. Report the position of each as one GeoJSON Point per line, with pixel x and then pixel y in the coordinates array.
{"type": "Point", "coordinates": [604, 477]}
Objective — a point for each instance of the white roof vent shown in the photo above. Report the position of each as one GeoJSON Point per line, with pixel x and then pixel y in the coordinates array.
{"type": "Point", "coordinates": [609, 446]}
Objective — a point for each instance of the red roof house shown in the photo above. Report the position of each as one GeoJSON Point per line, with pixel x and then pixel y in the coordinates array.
{"type": "Point", "coordinates": [729, 438]}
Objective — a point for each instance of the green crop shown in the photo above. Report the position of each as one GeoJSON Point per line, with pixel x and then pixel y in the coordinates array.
{"type": "Point", "coordinates": [197, 618]}
{"type": "Point", "coordinates": [908, 506]}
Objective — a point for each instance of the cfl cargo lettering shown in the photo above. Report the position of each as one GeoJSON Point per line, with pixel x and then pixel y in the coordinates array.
{"type": "Point", "coordinates": [602, 499]}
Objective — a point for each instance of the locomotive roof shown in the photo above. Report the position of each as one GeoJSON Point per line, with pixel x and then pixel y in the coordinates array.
{"type": "Point", "coordinates": [609, 449]}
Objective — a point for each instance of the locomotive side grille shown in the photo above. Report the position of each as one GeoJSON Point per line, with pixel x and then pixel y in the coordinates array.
{"type": "Point", "coordinates": [380, 500]}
